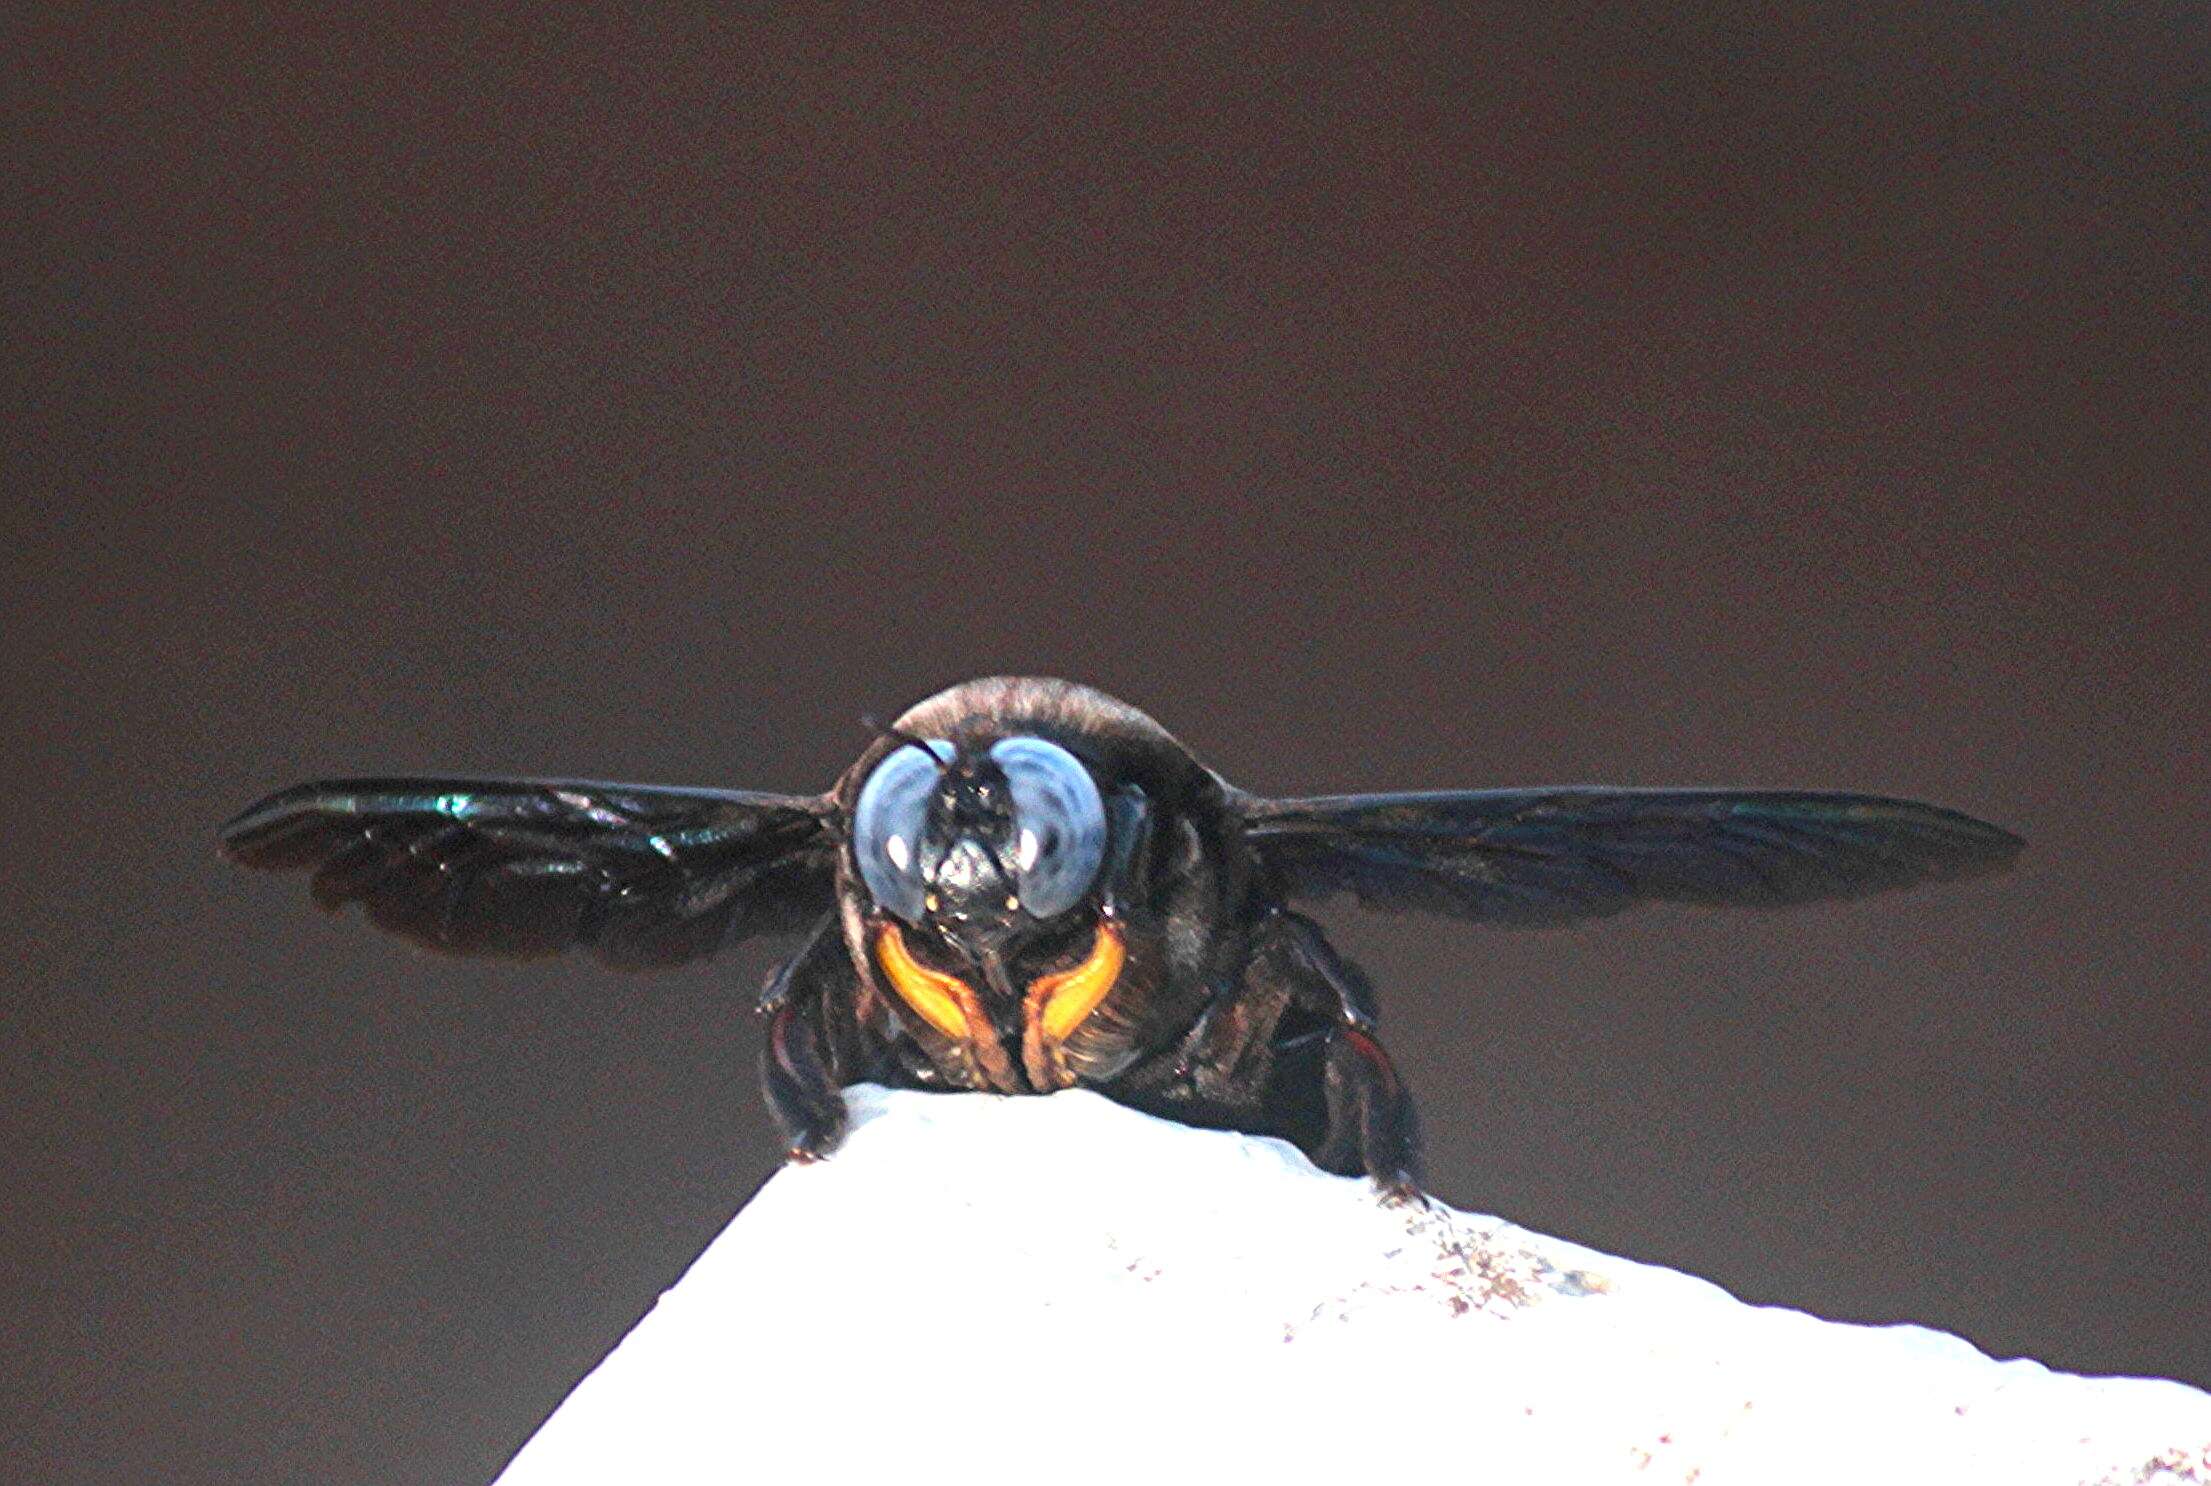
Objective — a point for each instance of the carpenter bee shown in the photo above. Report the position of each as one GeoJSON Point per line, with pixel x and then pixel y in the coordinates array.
{"type": "Point", "coordinates": [1025, 885]}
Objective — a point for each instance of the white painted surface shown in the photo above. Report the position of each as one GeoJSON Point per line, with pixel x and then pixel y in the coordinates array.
{"type": "Point", "coordinates": [983, 1288]}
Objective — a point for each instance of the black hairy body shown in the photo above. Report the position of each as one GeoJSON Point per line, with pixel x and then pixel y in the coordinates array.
{"type": "Point", "coordinates": [1024, 885]}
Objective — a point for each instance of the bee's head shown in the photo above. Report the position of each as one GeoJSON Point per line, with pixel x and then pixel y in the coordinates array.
{"type": "Point", "coordinates": [982, 841]}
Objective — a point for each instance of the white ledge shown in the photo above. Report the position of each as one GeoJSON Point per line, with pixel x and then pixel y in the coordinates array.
{"type": "Point", "coordinates": [983, 1287]}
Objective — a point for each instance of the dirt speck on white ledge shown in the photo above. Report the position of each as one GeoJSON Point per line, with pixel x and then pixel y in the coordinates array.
{"type": "Point", "coordinates": [978, 1287]}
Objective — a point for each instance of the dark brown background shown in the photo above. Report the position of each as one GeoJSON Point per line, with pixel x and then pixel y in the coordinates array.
{"type": "Point", "coordinates": [1426, 400]}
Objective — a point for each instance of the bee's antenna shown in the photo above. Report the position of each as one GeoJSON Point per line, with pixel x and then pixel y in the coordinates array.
{"type": "Point", "coordinates": [882, 729]}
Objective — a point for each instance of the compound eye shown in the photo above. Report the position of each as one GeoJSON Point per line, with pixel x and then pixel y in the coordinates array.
{"type": "Point", "coordinates": [1059, 823]}
{"type": "Point", "coordinates": [887, 825]}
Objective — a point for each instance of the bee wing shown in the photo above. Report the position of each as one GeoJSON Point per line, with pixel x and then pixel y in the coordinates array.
{"type": "Point", "coordinates": [644, 876]}
{"type": "Point", "coordinates": [1534, 857]}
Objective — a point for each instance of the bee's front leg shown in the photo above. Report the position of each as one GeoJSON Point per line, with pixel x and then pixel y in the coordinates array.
{"type": "Point", "coordinates": [801, 1088]}
{"type": "Point", "coordinates": [1370, 1113]}
{"type": "Point", "coordinates": [798, 1067]}
{"type": "Point", "coordinates": [1372, 1124]}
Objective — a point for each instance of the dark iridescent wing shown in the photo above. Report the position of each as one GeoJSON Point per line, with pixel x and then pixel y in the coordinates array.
{"type": "Point", "coordinates": [644, 876]}
{"type": "Point", "coordinates": [1550, 856]}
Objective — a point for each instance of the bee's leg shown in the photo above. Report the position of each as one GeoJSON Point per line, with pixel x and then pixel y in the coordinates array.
{"type": "Point", "coordinates": [1372, 1125]}
{"type": "Point", "coordinates": [1368, 1106]}
{"type": "Point", "coordinates": [801, 1088]}
{"type": "Point", "coordinates": [799, 1066]}
{"type": "Point", "coordinates": [795, 977]}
